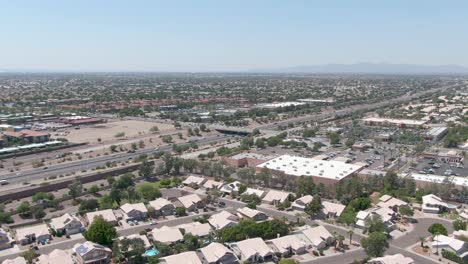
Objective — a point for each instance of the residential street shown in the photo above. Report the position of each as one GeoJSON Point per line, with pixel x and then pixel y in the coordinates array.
{"type": "Point", "coordinates": [398, 245]}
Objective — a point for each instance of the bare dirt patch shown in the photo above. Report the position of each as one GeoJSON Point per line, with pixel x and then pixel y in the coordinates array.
{"type": "Point", "coordinates": [107, 131]}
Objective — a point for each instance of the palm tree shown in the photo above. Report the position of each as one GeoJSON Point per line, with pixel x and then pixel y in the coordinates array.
{"type": "Point", "coordinates": [335, 237]}
{"type": "Point", "coordinates": [422, 240]}
{"type": "Point", "coordinates": [340, 240]}
{"type": "Point", "coordinates": [350, 233]}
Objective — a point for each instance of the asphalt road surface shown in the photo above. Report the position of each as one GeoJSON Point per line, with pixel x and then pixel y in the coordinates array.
{"type": "Point", "coordinates": [352, 109]}
{"type": "Point", "coordinates": [74, 166]}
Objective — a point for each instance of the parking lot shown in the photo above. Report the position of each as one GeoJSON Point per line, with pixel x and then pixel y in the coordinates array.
{"type": "Point", "coordinates": [428, 166]}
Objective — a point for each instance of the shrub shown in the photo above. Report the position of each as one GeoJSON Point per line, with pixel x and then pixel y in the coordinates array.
{"type": "Point", "coordinates": [450, 255]}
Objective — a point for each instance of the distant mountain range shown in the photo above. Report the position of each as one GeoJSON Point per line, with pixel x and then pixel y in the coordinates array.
{"type": "Point", "coordinates": [358, 68]}
{"type": "Point", "coordinates": [373, 68]}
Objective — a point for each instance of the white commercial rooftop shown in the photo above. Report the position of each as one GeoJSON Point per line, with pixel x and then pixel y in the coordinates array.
{"type": "Point", "coordinates": [251, 156]}
{"type": "Point", "coordinates": [395, 121]}
{"type": "Point", "coordinates": [30, 146]}
{"type": "Point", "coordinates": [459, 181]}
{"type": "Point", "coordinates": [435, 131]}
{"type": "Point", "coordinates": [311, 100]}
{"type": "Point", "coordinates": [299, 166]}
{"type": "Point", "coordinates": [279, 104]}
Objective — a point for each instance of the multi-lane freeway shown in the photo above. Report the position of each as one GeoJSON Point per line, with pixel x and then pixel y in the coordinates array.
{"type": "Point", "coordinates": [79, 165]}
{"type": "Point", "coordinates": [352, 109]}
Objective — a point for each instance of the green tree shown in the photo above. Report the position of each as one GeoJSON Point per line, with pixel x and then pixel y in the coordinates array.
{"type": "Point", "coordinates": [124, 182]}
{"type": "Point", "coordinates": [361, 203]}
{"type": "Point", "coordinates": [40, 196]}
{"type": "Point", "coordinates": [340, 239]}
{"type": "Point", "coordinates": [390, 182]}
{"type": "Point", "coordinates": [406, 211]}
{"type": "Point", "coordinates": [88, 206]}
{"type": "Point", "coordinates": [334, 138]}
{"type": "Point", "coordinates": [5, 218]}
{"type": "Point", "coordinates": [419, 147]}
{"type": "Point", "coordinates": [437, 229]}
{"type": "Point", "coordinates": [246, 143]}
{"type": "Point", "coordinates": [24, 209]}
{"type": "Point", "coordinates": [148, 191]}
{"type": "Point", "coordinates": [168, 162]}
{"type": "Point", "coordinates": [190, 165]}
{"type": "Point", "coordinates": [260, 143]}
{"type": "Point", "coordinates": [113, 148]}
{"type": "Point", "coordinates": [375, 244]}
{"type": "Point", "coordinates": [265, 176]}
{"type": "Point", "coordinates": [146, 169]}
{"type": "Point", "coordinates": [164, 249]}
{"type": "Point", "coordinates": [459, 225]}
{"type": "Point", "coordinates": [106, 202]}
{"type": "Point", "coordinates": [246, 174]}
{"type": "Point", "coordinates": [350, 142]}
{"type": "Point", "coordinates": [94, 189]}
{"type": "Point", "coordinates": [101, 232]}
{"type": "Point", "coordinates": [180, 211]}
{"type": "Point", "coordinates": [132, 248]}
{"type": "Point", "coordinates": [255, 132]}
{"type": "Point", "coordinates": [203, 127]}
{"type": "Point", "coordinates": [249, 228]}
{"type": "Point", "coordinates": [375, 224]}
{"type": "Point", "coordinates": [191, 241]}
{"type": "Point", "coordinates": [178, 164]}
{"type": "Point", "coordinates": [305, 186]}
{"type": "Point", "coordinates": [38, 212]}
{"type": "Point", "coordinates": [315, 206]}
{"type": "Point", "coordinates": [75, 189]}
{"type": "Point", "coordinates": [29, 255]}
{"type": "Point", "coordinates": [348, 216]}
{"type": "Point", "coordinates": [308, 133]}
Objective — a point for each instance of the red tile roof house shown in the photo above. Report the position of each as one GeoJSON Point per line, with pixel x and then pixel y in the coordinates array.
{"type": "Point", "coordinates": [81, 121]}
{"type": "Point", "coordinates": [27, 136]}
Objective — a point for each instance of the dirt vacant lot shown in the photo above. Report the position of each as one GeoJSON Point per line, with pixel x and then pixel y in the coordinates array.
{"type": "Point", "coordinates": [107, 131]}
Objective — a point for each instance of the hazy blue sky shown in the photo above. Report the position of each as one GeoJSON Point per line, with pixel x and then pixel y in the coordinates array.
{"type": "Point", "coordinates": [221, 35]}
